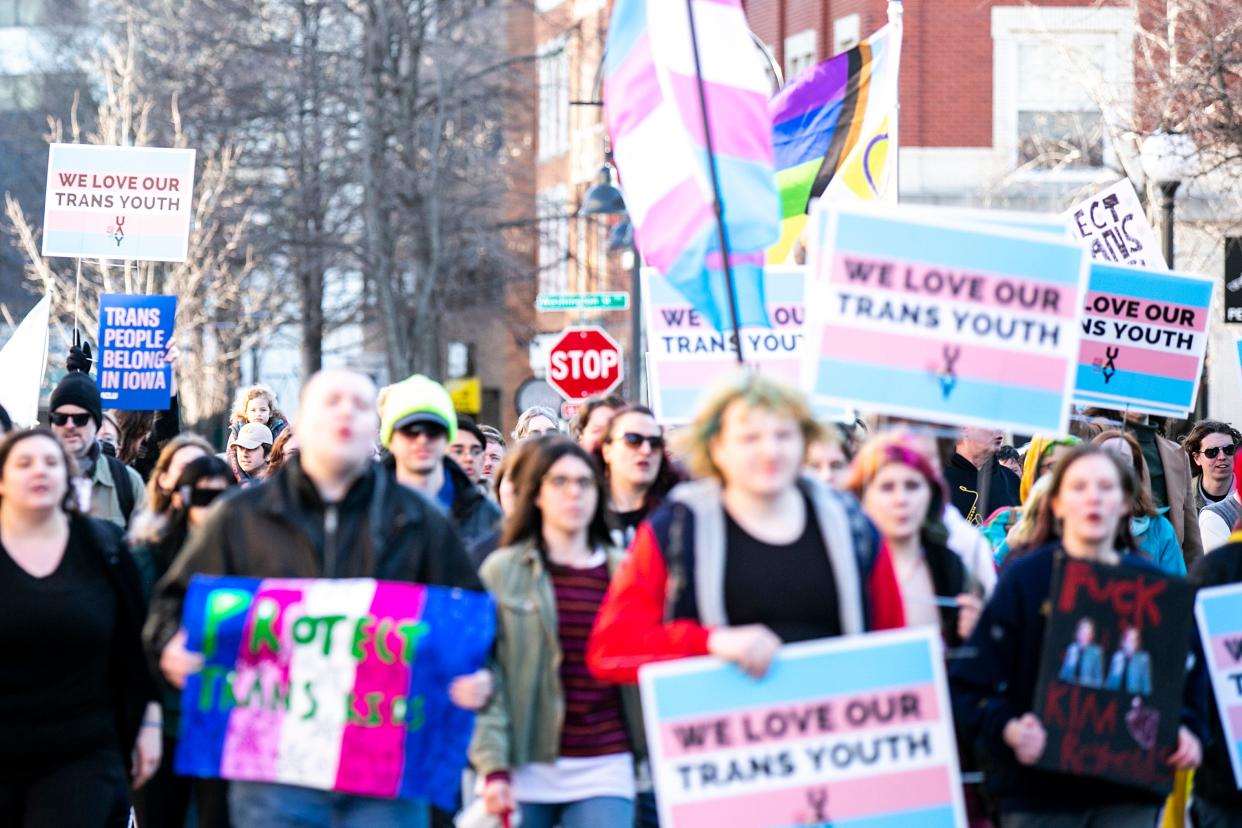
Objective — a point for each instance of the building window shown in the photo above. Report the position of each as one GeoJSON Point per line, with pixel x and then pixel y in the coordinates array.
{"type": "Point", "coordinates": [22, 12]}
{"type": "Point", "coordinates": [552, 207]}
{"type": "Point", "coordinates": [553, 61]}
{"type": "Point", "coordinates": [1062, 77]}
{"type": "Point", "coordinates": [800, 53]}
{"type": "Point", "coordinates": [846, 33]}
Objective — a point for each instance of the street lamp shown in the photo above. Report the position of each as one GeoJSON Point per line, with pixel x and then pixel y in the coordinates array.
{"type": "Point", "coordinates": [604, 199]}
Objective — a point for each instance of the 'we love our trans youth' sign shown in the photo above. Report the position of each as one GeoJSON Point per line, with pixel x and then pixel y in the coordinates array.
{"type": "Point", "coordinates": [847, 731]}
{"type": "Point", "coordinates": [338, 685]}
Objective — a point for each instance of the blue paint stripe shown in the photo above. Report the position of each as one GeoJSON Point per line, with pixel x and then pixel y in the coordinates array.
{"type": "Point", "coordinates": [100, 246]}
{"type": "Point", "coordinates": [1098, 401]}
{"type": "Point", "coordinates": [1223, 613]}
{"type": "Point", "coordinates": [1149, 284]}
{"type": "Point", "coordinates": [84, 158]}
{"type": "Point", "coordinates": [677, 405]}
{"type": "Point", "coordinates": [1044, 260]}
{"type": "Point", "coordinates": [727, 688]}
{"type": "Point", "coordinates": [936, 817]}
{"type": "Point", "coordinates": [627, 25]}
{"type": "Point", "coordinates": [878, 386]}
{"type": "Point", "coordinates": [1164, 391]}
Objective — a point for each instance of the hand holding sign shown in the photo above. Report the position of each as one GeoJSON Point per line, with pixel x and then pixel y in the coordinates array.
{"type": "Point", "coordinates": [1027, 737]}
{"type": "Point", "coordinates": [750, 647]}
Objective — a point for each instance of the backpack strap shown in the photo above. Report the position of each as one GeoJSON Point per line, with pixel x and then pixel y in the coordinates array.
{"type": "Point", "coordinates": [124, 486]}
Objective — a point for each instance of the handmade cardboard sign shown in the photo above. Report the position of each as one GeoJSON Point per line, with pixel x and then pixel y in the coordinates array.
{"type": "Point", "coordinates": [1219, 612]}
{"type": "Point", "coordinates": [1114, 227]}
{"type": "Point", "coordinates": [1112, 671]}
{"type": "Point", "coordinates": [845, 731]}
{"type": "Point", "coordinates": [333, 684]}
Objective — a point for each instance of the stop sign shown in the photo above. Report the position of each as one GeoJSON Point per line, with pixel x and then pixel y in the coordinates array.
{"type": "Point", "coordinates": [584, 362]}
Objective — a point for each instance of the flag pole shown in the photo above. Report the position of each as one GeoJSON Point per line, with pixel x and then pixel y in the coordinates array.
{"type": "Point", "coordinates": [717, 202]}
{"type": "Point", "coordinates": [896, 18]}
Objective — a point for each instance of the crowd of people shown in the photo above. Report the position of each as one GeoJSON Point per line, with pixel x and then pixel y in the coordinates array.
{"type": "Point", "coordinates": [614, 545]}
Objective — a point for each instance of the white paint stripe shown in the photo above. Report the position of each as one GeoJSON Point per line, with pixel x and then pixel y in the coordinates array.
{"type": "Point", "coordinates": [726, 52]}
{"type": "Point", "coordinates": [659, 157]}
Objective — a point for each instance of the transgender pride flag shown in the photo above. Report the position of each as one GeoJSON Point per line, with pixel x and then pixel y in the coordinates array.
{"type": "Point", "coordinates": [651, 99]}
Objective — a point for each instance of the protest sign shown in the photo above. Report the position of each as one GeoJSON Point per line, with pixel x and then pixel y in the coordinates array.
{"type": "Point", "coordinates": [920, 316]}
{"type": "Point", "coordinates": [23, 361]}
{"type": "Point", "coordinates": [1111, 672]}
{"type": "Point", "coordinates": [1114, 227]}
{"type": "Point", "coordinates": [135, 333]}
{"type": "Point", "coordinates": [337, 685]}
{"type": "Point", "coordinates": [118, 202]}
{"type": "Point", "coordinates": [1233, 279]}
{"type": "Point", "coordinates": [686, 356]}
{"type": "Point", "coordinates": [845, 731]}
{"type": "Point", "coordinates": [1219, 612]}
{"type": "Point", "coordinates": [1144, 334]}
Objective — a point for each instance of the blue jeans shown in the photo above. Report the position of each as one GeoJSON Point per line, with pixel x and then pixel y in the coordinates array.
{"type": "Point", "coordinates": [286, 806]}
{"type": "Point", "coordinates": [596, 812]}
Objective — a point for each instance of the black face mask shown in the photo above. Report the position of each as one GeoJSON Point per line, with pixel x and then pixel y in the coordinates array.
{"type": "Point", "coordinates": [204, 497]}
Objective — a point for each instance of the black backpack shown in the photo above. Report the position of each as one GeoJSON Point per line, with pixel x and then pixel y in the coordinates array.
{"type": "Point", "coordinates": [124, 486]}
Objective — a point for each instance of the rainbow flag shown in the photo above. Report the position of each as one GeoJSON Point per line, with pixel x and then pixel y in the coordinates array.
{"type": "Point", "coordinates": [832, 127]}
{"type": "Point", "coordinates": [655, 120]}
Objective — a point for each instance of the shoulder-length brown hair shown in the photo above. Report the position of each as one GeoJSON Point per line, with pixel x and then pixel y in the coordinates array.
{"type": "Point", "coordinates": [1047, 528]}
{"type": "Point", "coordinates": [526, 522]}
{"type": "Point", "coordinates": [158, 499]}
{"type": "Point", "coordinates": [70, 502]}
{"type": "Point", "coordinates": [1141, 504]}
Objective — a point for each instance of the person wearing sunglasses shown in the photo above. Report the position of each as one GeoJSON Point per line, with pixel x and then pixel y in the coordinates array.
{"type": "Point", "coordinates": [636, 467]}
{"type": "Point", "coordinates": [419, 425]}
{"type": "Point", "coordinates": [165, 800]}
{"type": "Point", "coordinates": [1211, 445]}
{"type": "Point", "coordinates": [555, 743]}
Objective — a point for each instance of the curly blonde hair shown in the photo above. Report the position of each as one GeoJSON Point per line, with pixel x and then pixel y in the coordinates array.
{"type": "Point", "coordinates": [245, 395]}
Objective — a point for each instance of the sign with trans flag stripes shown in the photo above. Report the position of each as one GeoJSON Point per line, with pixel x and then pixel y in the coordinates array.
{"type": "Point", "coordinates": [921, 314]}
{"type": "Point", "coordinates": [851, 731]}
{"type": "Point", "coordinates": [1219, 612]}
{"type": "Point", "coordinates": [338, 685]}
{"type": "Point", "coordinates": [1144, 334]}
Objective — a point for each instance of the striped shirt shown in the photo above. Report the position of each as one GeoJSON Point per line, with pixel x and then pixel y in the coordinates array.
{"type": "Point", "coordinates": [594, 724]}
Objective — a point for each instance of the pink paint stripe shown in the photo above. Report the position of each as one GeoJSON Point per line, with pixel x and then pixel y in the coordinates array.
{"type": "Point", "coordinates": [671, 223]}
{"type": "Point", "coordinates": [701, 373]}
{"type": "Point", "coordinates": [977, 362]}
{"type": "Point", "coordinates": [974, 287]}
{"type": "Point", "coordinates": [1164, 314]}
{"type": "Point", "coordinates": [740, 122]}
{"type": "Point", "coordinates": [252, 743]}
{"type": "Point", "coordinates": [1235, 721]}
{"type": "Point", "coordinates": [632, 92]}
{"type": "Point", "coordinates": [1224, 658]}
{"type": "Point", "coordinates": [373, 756]}
{"type": "Point", "coordinates": [136, 224]}
{"type": "Point", "coordinates": [682, 319]}
{"type": "Point", "coordinates": [1140, 360]}
{"type": "Point", "coordinates": [822, 717]}
{"type": "Point", "coordinates": [848, 799]}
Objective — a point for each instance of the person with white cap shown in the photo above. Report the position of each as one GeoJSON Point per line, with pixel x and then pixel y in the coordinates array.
{"type": "Point", "coordinates": [248, 453]}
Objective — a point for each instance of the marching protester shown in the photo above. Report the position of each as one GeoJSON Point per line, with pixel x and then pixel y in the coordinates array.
{"type": "Point", "coordinates": [637, 469]}
{"type": "Point", "coordinates": [109, 434]}
{"type": "Point", "coordinates": [418, 425]}
{"type": "Point", "coordinates": [555, 743]}
{"type": "Point", "coordinates": [901, 491]}
{"type": "Point", "coordinates": [1217, 801]}
{"type": "Point", "coordinates": [748, 508]}
{"type": "Point", "coordinates": [6, 424]}
{"type": "Point", "coordinates": [105, 487]}
{"type": "Point", "coordinates": [590, 424]}
{"type": "Point", "coordinates": [829, 457]}
{"type": "Point", "coordinates": [493, 451]}
{"type": "Point", "coordinates": [135, 429]}
{"type": "Point", "coordinates": [283, 450]}
{"type": "Point", "coordinates": [505, 492]}
{"type": "Point", "coordinates": [257, 404]}
{"type": "Point", "coordinates": [248, 453]}
{"type": "Point", "coordinates": [535, 422]}
{"type": "Point", "coordinates": [1042, 455]}
{"type": "Point", "coordinates": [993, 685]}
{"type": "Point", "coordinates": [1009, 457]}
{"type": "Point", "coordinates": [78, 713]}
{"type": "Point", "coordinates": [329, 513]}
{"type": "Point", "coordinates": [1211, 445]}
{"type": "Point", "coordinates": [978, 484]}
{"type": "Point", "coordinates": [165, 800]}
{"type": "Point", "coordinates": [466, 448]}
{"type": "Point", "coordinates": [1150, 529]}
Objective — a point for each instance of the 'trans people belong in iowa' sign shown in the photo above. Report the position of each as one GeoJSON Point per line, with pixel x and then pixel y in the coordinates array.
{"type": "Point", "coordinates": [135, 333]}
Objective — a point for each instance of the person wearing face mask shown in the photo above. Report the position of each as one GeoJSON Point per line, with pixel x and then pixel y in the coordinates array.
{"type": "Point", "coordinates": [556, 743]}
{"type": "Point", "coordinates": [166, 799]}
{"type": "Point", "coordinates": [78, 712]}
{"type": "Point", "coordinates": [636, 467]}
{"type": "Point", "coordinates": [993, 684]}
{"type": "Point", "coordinates": [903, 495]}
{"type": "Point", "coordinates": [748, 556]}
{"type": "Point", "coordinates": [1149, 527]}
{"type": "Point", "coordinates": [330, 513]}
{"type": "Point", "coordinates": [1211, 446]}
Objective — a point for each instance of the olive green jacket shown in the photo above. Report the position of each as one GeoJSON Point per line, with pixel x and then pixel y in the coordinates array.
{"type": "Point", "coordinates": [522, 724]}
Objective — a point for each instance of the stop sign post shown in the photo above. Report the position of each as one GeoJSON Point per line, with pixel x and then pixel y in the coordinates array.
{"type": "Point", "coordinates": [584, 362]}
